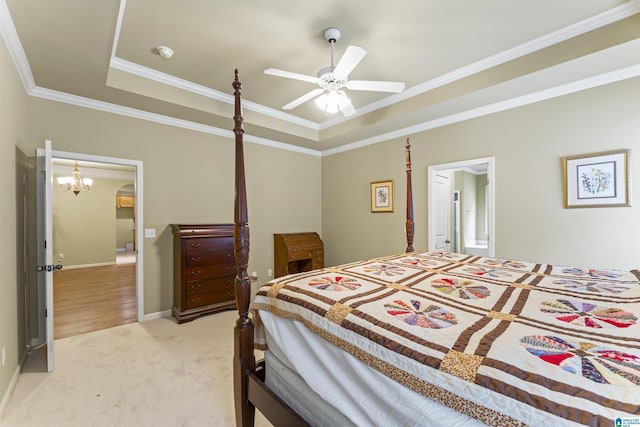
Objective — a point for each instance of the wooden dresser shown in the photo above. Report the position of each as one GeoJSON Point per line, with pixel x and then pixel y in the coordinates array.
{"type": "Point", "coordinates": [296, 252]}
{"type": "Point", "coordinates": [203, 270]}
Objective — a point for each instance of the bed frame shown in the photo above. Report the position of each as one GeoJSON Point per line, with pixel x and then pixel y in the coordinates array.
{"type": "Point", "coordinates": [250, 391]}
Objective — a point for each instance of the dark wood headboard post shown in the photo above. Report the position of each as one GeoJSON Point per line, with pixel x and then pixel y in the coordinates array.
{"type": "Point", "coordinates": [243, 359]}
{"type": "Point", "coordinates": [409, 224]}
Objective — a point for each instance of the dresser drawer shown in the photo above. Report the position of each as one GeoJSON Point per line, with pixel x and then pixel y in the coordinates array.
{"type": "Point", "coordinates": [219, 245]}
{"type": "Point", "coordinates": [209, 271]}
{"type": "Point", "coordinates": [204, 270]}
{"type": "Point", "coordinates": [207, 285]}
{"type": "Point", "coordinates": [199, 259]}
{"type": "Point", "coordinates": [305, 253]}
{"type": "Point", "coordinates": [209, 298]}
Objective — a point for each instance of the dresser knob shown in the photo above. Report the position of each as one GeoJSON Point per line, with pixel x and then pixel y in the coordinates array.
{"type": "Point", "coordinates": [196, 287]}
{"type": "Point", "coordinates": [196, 273]}
{"type": "Point", "coordinates": [195, 244]}
{"type": "Point", "coordinates": [194, 259]}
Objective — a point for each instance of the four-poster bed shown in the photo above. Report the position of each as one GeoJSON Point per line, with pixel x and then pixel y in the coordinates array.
{"type": "Point", "coordinates": [434, 338]}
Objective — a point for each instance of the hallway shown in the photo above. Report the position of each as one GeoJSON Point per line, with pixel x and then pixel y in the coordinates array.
{"type": "Point", "coordinates": [94, 298]}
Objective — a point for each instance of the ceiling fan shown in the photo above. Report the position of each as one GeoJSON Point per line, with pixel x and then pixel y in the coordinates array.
{"type": "Point", "coordinates": [332, 79]}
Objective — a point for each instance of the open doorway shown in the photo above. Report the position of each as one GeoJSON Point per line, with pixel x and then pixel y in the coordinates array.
{"type": "Point", "coordinates": [462, 207]}
{"type": "Point", "coordinates": [92, 224]}
{"type": "Point", "coordinates": [41, 311]}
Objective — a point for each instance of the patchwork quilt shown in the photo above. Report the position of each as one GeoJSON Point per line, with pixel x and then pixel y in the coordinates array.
{"type": "Point", "coordinates": [504, 341]}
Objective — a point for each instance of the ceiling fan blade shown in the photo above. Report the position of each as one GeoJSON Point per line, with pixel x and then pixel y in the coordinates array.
{"type": "Point", "coordinates": [350, 58]}
{"type": "Point", "coordinates": [375, 85]}
{"type": "Point", "coordinates": [347, 109]}
{"type": "Point", "coordinates": [304, 98]}
{"type": "Point", "coordinates": [290, 75]}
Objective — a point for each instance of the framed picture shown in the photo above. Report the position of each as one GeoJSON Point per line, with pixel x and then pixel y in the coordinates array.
{"type": "Point", "coordinates": [597, 180]}
{"type": "Point", "coordinates": [382, 196]}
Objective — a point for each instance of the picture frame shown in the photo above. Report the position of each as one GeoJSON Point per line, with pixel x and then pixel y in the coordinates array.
{"type": "Point", "coordinates": [597, 180]}
{"type": "Point", "coordinates": [382, 196]}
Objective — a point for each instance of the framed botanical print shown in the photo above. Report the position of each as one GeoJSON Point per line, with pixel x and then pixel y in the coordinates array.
{"type": "Point", "coordinates": [597, 180]}
{"type": "Point", "coordinates": [382, 196]}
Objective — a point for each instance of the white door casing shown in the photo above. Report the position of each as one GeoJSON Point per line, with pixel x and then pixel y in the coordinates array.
{"type": "Point", "coordinates": [490, 198]}
{"type": "Point", "coordinates": [44, 213]}
{"type": "Point", "coordinates": [44, 185]}
{"type": "Point", "coordinates": [442, 191]}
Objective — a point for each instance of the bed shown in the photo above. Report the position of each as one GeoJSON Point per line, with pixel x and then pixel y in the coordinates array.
{"type": "Point", "coordinates": [434, 338]}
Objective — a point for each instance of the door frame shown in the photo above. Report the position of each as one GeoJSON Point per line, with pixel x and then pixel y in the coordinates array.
{"type": "Point", "coordinates": [139, 221]}
{"type": "Point", "coordinates": [491, 199]}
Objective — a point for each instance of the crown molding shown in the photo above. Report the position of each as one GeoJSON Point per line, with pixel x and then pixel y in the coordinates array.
{"type": "Point", "coordinates": [80, 101]}
{"type": "Point", "coordinates": [14, 46]}
{"type": "Point", "coordinates": [169, 80]}
{"type": "Point", "coordinates": [542, 95]}
{"type": "Point", "coordinates": [619, 13]}
{"type": "Point", "coordinates": [16, 51]}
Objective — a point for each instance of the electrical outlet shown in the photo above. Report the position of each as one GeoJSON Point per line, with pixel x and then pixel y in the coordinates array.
{"type": "Point", "coordinates": [60, 256]}
{"type": "Point", "coordinates": [270, 273]}
{"type": "Point", "coordinates": [4, 355]}
{"type": "Point", "coordinates": [149, 233]}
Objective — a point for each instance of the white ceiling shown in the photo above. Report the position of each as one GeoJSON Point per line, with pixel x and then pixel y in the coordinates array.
{"type": "Point", "coordinates": [458, 58]}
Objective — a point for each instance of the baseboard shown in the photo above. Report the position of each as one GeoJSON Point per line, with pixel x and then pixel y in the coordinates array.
{"type": "Point", "coordinates": [8, 392]}
{"type": "Point", "coordinates": [100, 264]}
{"type": "Point", "coordinates": [157, 315]}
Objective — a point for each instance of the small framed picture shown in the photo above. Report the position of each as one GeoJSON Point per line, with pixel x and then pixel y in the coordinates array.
{"type": "Point", "coordinates": [382, 196]}
{"type": "Point", "coordinates": [597, 180]}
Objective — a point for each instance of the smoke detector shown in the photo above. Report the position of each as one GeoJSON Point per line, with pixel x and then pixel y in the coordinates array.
{"type": "Point", "coordinates": [165, 52]}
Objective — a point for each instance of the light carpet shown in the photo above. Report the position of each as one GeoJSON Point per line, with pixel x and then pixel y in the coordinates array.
{"type": "Point", "coordinates": [155, 373]}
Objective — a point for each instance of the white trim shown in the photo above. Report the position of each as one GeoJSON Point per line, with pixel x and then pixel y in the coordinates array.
{"type": "Point", "coordinates": [613, 15]}
{"type": "Point", "coordinates": [116, 33]}
{"type": "Point", "coordinates": [12, 41]}
{"type": "Point", "coordinates": [80, 101]}
{"type": "Point", "coordinates": [95, 264]}
{"type": "Point", "coordinates": [9, 391]}
{"type": "Point", "coordinates": [491, 198]}
{"type": "Point", "coordinates": [623, 11]}
{"type": "Point", "coordinates": [91, 172]}
{"type": "Point", "coordinates": [519, 101]}
{"type": "Point", "coordinates": [169, 80]}
{"type": "Point", "coordinates": [157, 315]}
{"type": "Point", "coordinates": [139, 214]}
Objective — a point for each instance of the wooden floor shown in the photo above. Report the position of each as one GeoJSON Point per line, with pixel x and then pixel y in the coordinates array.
{"type": "Point", "coordinates": [90, 299]}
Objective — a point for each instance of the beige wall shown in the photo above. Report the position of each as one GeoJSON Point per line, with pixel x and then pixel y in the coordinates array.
{"type": "Point", "coordinates": [189, 178]}
{"type": "Point", "coordinates": [528, 144]}
{"type": "Point", "coordinates": [13, 209]}
{"type": "Point", "coordinates": [125, 227]}
{"type": "Point", "coordinates": [84, 226]}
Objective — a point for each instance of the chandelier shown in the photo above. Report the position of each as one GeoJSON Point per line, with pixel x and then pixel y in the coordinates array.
{"type": "Point", "coordinates": [76, 183]}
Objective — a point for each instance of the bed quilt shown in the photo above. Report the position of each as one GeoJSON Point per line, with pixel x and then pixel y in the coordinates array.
{"type": "Point", "coordinates": [504, 341]}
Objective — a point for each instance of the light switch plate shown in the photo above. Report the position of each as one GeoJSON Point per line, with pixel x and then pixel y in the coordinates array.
{"type": "Point", "coordinates": [149, 233]}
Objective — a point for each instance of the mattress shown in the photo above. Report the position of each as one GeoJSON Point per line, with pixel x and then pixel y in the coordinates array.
{"type": "Point", "coordinates": [329, 387]}
{"type": "Point", "coordinates": [501, 341]}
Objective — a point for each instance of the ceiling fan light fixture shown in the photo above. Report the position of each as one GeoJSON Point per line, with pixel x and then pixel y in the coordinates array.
{"type": "Point", "coordinates": [333, 101]}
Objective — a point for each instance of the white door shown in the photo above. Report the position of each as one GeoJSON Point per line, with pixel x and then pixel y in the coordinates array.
{"type": "Point", "coordinates": [45, 251]}
{"type": "Point", "coordinates": [442, 192]}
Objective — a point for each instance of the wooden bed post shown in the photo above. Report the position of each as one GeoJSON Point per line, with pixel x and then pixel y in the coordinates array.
{"type": "Point", "coordinates": [409, 224]}
{"type": "Point", "coordinates": [243, 358]}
